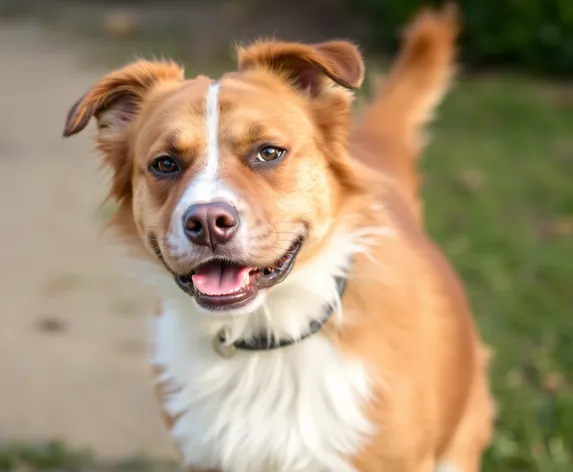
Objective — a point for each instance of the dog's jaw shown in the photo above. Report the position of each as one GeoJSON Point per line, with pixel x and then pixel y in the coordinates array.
{"type": "Point", "coordinates": [242, 414]}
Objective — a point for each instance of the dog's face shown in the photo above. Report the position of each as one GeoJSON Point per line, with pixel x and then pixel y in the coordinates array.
{"type": "Point", "coordinates": [229, 182]}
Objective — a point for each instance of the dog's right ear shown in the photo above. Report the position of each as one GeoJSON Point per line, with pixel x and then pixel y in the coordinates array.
{"type": "Point", "coordinates": [116, 98]}
{"type": "Point", "coordinates": [306, 65]}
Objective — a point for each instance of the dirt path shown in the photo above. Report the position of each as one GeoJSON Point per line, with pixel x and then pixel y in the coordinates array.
{"type": "Point", "coordinates": [72, 330]}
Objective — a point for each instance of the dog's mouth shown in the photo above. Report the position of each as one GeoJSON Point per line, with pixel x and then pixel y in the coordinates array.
{"type": "Point", "coordinates": [225, 285]}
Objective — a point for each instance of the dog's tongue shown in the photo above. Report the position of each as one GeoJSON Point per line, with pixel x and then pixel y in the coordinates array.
{"type": "Point", "coordinates": [218, 278]}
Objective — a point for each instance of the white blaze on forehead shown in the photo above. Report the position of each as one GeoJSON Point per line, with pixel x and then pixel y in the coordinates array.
{"type": "Point", "coordinates": [212, 122]}
{"type": "Point", "coordinates": [205, 187]}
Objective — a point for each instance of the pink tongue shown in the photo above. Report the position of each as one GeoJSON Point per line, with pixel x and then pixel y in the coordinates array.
{"type": "Point", "coordinates": [218, 278]}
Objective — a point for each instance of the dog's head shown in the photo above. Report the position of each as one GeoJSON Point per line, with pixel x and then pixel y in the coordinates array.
{"type": "Point", "coordinates": [229, 182]}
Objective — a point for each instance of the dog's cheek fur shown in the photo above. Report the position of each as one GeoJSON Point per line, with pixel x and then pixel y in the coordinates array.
{"type": "Point", "coordinates": [335, 182]}
{"type": "Point", "coordinates": [115, 149]}
{"type": "Point", "coordinates": [144, 213]}
{"type": "Point", "coordinates": [116, 157]}
{"type": "Point", "coordinates": [311, 197]}
{"type": "Point", "coordinates": [138, 209]}
{"type": "Point", "coordinates": [306, 188]}
{"type": "Point", "coordinates": [332, 116]}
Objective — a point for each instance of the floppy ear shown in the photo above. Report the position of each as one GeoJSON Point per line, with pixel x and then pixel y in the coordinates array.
{"type": "Point", "coordinates": [307, 65]}
{"type": "Point", "coordinates": [116, 98]}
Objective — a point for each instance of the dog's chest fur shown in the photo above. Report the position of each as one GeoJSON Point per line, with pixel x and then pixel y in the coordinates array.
{"type": "Point", "coordinates": [298, 408]}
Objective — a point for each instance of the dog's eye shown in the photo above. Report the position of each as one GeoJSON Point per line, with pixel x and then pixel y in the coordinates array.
{"type": "Point", "coordinates": [270, 153]}
{"type": "Point", "coordinates": [164, 165]}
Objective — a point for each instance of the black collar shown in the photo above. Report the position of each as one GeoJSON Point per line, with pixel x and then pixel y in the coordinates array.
{"type": "Point", "coordinates": [263, 343]}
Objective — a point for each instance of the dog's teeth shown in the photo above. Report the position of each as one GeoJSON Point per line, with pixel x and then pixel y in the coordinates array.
{"type": "Point", "coordinates": [246, 280]}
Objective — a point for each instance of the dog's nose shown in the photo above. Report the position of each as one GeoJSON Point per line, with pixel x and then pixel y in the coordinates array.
{"type": "Point", "coordinates": [210, 224]}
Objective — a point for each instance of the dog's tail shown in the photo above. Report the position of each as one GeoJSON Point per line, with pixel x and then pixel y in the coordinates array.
{"type": "Point", "coordinates": [392, 128]}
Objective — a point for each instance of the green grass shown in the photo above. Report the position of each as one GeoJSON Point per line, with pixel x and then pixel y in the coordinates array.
{"type": "Point", "coordinates": [57, 457]}
{"type": "Point", "coordinates": [42, 456]}
{"type": "Point", "coordinates": [499, 200]}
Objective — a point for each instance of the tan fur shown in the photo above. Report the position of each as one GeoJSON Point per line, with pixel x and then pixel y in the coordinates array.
{"type": "Point", "coordinates": [406, 314]}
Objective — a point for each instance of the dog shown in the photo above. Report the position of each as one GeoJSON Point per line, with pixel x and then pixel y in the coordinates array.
{"type": "Point", "coordinates": [306, 321]}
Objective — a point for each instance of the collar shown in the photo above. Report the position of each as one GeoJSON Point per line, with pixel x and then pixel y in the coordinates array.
{"type": "Point", "coordinates": [264, 343]}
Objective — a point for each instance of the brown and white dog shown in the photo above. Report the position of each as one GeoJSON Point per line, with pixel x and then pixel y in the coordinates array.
{"type": "Point", "coordinates": [307, 322]}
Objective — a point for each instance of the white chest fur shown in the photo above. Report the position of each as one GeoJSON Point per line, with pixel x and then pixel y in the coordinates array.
{"type": "Point", "coordinates": [295, 409]}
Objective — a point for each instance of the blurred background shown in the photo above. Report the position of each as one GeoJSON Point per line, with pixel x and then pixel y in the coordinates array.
{"type": "Point", "coordinates": [75, 391]}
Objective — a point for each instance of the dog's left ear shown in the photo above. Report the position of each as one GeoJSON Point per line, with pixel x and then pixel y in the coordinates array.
{"type": "Point", "coordinates": [116, 98]}
{"type": "Point", "coordinates": [307, 66]}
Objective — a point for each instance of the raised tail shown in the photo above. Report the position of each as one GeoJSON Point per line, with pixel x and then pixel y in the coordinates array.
{"type": "Point", "coordinates": [392, 128]}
